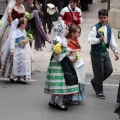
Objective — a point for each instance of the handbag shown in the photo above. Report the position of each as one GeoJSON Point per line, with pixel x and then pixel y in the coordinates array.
{"type": "Point", "coordinates": [55, 16]}
{"type": "Point", "coordinates": [70, 74]}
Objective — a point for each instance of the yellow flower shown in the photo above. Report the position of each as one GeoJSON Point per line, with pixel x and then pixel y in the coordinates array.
{"type": "Point", "coordinates": [78, 56]}
{"type": "Point", "coordinates": [101, 31]}
{"type": "Point", "coordinates": [0, 23]}
{"type": "Point", "coordinates": [57, 49]}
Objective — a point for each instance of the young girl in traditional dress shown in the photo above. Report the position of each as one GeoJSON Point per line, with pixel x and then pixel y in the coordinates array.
{"type": "Point", "coordinates": [17, 62]}
{"type": "Point", "coordinates": [55, 83]}
{"type": "Point", "coordinates": [75, 56]}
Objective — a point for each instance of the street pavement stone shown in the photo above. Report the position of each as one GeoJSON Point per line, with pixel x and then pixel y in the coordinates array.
{"type": "Point", "coordinates": [41, 58]}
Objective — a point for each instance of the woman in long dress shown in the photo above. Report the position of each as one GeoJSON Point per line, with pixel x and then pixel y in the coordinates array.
{"type": "Point", "coordinates": [14, 10]}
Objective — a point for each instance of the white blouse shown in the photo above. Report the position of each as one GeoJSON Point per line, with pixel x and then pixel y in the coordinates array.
{"type": "Point", "coordinates": [93, 40]}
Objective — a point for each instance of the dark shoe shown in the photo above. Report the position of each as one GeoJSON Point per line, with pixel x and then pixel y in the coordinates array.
{"type": "Point", "coordinates": [21, 82]}
{"type": "Point", "coordinates": [12, 80]}
{"type": "Point", "coordinates": [49, 31]}
{"type": "Point", "coordinates": [52, 104]}
{"type": "Point", "coordinates": [100, 95]}
{"type": "Point", "coordinates": [62, 107]}
{"type": "Point", "coordinates": [93, 85]}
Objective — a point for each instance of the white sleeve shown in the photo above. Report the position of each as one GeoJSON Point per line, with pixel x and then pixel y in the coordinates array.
{"type": "Point", "coordinates": [12, 42]}
{"type": "Point", "coordinates": [92, 36]}
{"type": "Point", "coordinates": [113, 44]}
{"type": "Point", "coordinates": [62, 13]}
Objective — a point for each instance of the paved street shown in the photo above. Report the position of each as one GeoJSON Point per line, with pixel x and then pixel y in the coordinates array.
{"type": "Point", "coordinates": [28, 102]}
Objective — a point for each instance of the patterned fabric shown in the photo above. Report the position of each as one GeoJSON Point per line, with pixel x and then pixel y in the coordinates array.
{"type": "Point", "coordinates": [19, 64]}
{"type": "Point", "coordinates": [55, 83]}
{"type": "Point", "coordinates": [3, 5]}
{"type": "Point", "coordinates": [78, 96]}
{"type": "Point", "coordinates": [4, 36]}
{"type": "Point", "coordinates": [74, 44]}
{"type": "Point", "coordinates": [7, 67]}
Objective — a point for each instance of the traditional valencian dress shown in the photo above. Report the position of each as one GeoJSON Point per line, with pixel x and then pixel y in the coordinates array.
{"type": "Point", "coordinates": [73, 44]}
{"type": "Point", "coordinates": [55, 81]}
{"type": "Point", "coordinates": [19, 65]}
{"type": "Point", "coordinates": [14, 14]}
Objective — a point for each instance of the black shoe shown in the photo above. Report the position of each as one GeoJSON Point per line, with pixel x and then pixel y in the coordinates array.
{"type": "Point", "coordinates": [21, 82]}
{"type": "Point", "coordinates": [93, 85]}
{"type": "Point", "coordinates": [100, 95]}
{"type": "Point", "coordinates": [52, 104]}
{"type": "Point", "coordinates": [12, 80]}
{"type": "Point", "coordinates": [62, 107]}
{"type": "Point", "coordinates": [49, 31]}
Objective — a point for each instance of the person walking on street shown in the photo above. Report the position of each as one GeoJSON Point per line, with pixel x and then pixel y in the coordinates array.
{"type": "Point", "coordinates": [101, 38]}
{"type": "Point", "coordinates": [71, 14]}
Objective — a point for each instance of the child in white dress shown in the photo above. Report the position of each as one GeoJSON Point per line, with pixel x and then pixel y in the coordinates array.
{"type": "Point", "coordinates": [17, 62]}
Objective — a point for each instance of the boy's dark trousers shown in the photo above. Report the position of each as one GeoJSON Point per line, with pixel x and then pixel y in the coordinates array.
{"type": "Point", "coordinates": [102, 69]}
{"type": "Point", "coordinates": [118, 94]}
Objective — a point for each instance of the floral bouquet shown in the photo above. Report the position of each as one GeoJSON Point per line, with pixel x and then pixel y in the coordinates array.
{"type": "Point", "coordinates": [101, 33]}
{"type": "Point", "coordinates": [28, 16]}
{"type": "Point", "coordinates": [28, 36]}
{"type": "Point", "coordinates": [75, 56]}
{"type": "Point", "coordinates": [58, 47]}
{"type": "Point", "coordinates": [0, 23]}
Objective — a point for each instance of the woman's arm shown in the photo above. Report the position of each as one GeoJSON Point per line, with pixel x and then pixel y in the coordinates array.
{"type": "Point", "coordinates": [9, 15]}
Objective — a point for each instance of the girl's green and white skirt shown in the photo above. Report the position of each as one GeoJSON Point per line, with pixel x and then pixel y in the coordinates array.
{"type": "Point", "coordinates": [55, 82]}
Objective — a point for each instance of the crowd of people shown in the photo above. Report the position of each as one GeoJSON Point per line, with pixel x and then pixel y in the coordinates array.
{"type": "Point", "coordinates": [65, 76]}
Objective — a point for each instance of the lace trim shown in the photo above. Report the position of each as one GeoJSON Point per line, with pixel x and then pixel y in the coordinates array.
{"type": "Point", "coordinates": [22, 11]}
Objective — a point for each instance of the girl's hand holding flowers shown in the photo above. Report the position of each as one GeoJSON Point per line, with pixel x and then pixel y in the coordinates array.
{"type": "Point", "coordinates": [25, 41]}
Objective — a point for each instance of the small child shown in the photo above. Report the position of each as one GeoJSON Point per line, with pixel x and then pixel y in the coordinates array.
{"type": "Point", "coordinates": [56, 82]}
{"type": "Point", "coordinates": [17, 62]}
{"type": "Point", "coordinates": [75, 48]}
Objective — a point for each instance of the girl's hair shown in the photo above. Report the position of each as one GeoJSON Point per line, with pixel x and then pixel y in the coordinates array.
{"type": "Point", "coordinates": [21, 21]}
{"type": "Point", "coordinates": [73, 29]}
{"type": "Point", "coordinates": [103, 12]}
